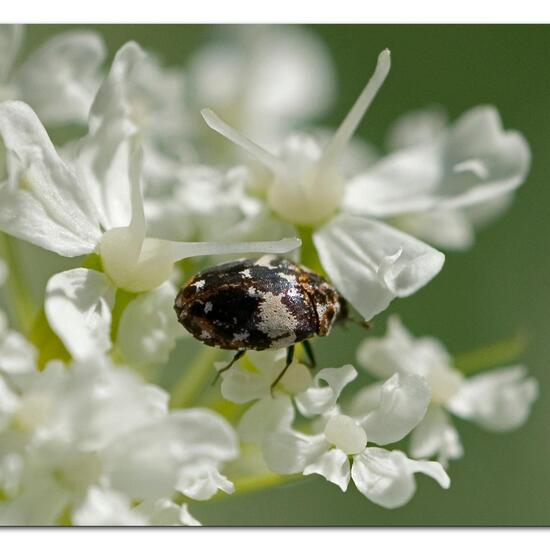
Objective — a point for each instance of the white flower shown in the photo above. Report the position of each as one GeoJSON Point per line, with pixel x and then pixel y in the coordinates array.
{"type": "Point", "coordinates": [59, 80]}
{"type": "Point", "coordinates": [273, 408]}
{"type": "Point", "coordinates": [341, 450]}
{"type": "Point", "coordinates": [106, 507]}
{"type": "Point", "coordinates": [264, 79]}
{"type": "Point", "coordinates": [92, 440]}
{"type": "Point", "coordinates": [442, 183]}
{"type": "Point", "coordinates": [211, 205]}
{"type": "Point", "coordinates": [498, 400]}
{"type": "Point", "coordinates": [369, 262]}
{"type": "Point", "coordinates": [148, 329]}
{"type": "Point", "coordinates": [44, 202]}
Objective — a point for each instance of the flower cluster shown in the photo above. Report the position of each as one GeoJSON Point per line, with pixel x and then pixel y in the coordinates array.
{"type": "Point", "coordinates": [147, 196]}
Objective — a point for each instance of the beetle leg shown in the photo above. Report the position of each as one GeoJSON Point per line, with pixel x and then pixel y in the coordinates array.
{"type": "Point", "coordinates": [289, 358]}
{"type": "Point", "coordinates": [310, 355]}
{"type": "Point", "coordinates": [236, 357]}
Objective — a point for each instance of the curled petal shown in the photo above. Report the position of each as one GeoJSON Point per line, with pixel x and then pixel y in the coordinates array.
{"type": "Point", "coordinates": [319, 399]}
{"type": "Point", "coordinates": [78, 308]}
{"type": "Point", "coordinates": [371, 263]}
{"type": "Point", "coordinates": [202, 481]}
{"type": "Point", "coordinates": [333, 466]}
{"type": "Point", "coordinates": [499, 400]}
{"type": "Point", "coordinates": [42, 202]}
{"type": "Point", "coordinates": [436, 435]}
{"type": "Point", "coordinates": [404, 399]}
{"type": "Point", "coordinates": [61, 78]}
{"type": "Point", "coordinates": [387, 477]}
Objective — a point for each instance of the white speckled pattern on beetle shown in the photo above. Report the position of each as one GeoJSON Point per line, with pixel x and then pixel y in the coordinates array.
{"type": "Point", "coordinates": [269, 303]}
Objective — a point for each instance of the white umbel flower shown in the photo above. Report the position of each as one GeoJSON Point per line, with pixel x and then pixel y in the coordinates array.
{"type": "Point", "coordinates": [442, 183]}
{"type": "Point", "coordinates": [59, 79]}
{"type": "Point", "coordinates": [274, 408]}
{"type": "Point", "coordinates": [498, 400]}
{"type": "Point", "coordinates": [239, 74]}
{"type": "Point", "coordinates": [45, 203]}
{"type": "Point", "coordinates": [94, 439]}
{"type": "Point", "coordinates": [341, 451]}
{"type": "Point", "coordinates": [369, 262]}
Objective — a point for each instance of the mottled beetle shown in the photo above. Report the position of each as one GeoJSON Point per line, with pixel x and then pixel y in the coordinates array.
{"type": "Point", "coordinates": [269, 303]}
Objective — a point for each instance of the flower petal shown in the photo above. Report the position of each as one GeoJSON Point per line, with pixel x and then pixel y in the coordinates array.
{"type": "Point", "coordinates": [404, 399]}
{"type": "Point", "coordinates": [201, 481]}
{"type": "Point", "coordinates": [103, 155]}
{"type": "Point", "coordinates": [365, 400]}
{"type": "Point", "coordinates": [256, 61]}
{"type": "Point", "coordinates": [17, 355]}
{"type": "Point", "coordinates": [290, 452]}
{"type": "Point", "coordinates": [333, 466]}
{"type": "Point", "coordinates": [371, 263]}
{"type": "Point", "coordinates": [78, 306]}
{"type": "Point", "coordinates": [416, 128]}
{"type": "Point", "coordinates": [474, 161]}
{"type": "Point", "coordinates": [241, 385]}
{"type": "Point", "coordinates": [436, 435]}
{"type": "Point", "coordinates": [148, 328]}
{"type": "Point", "coordinates": [148, 462]}
{"type": "Point", "coordinates": [42, 202]}
{"type": "Point", "coordinates": [267, 416]}
{"type": "Point", "coordinates": [399, 183]}
{"type": "Point", "coordinates": [399, 351]}
{"type": "Point", "coordinates": [450, 229]}
{"type": "Point", "coordinates": [61, 78]}
{"type": "Point", "coordinates": [106, 507]}
{"type": "Point", "coordinates": [319, 399]}
{"type": "Point", "coordinates": [192, 249]}
{"type": "Point", "coordinates": [503, 156]}
{"type": "Point", "coordinates": [386, 477]}
{"type": "Point", "coordinates": [499, 400]}
{"type": "Point", "coordinates": [165, 512]}
{"type": "Point", "coordinates": [384, 356]}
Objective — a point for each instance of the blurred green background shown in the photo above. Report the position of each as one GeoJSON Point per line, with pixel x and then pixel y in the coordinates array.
{"type": "Point", "coordinates": [482, 296]}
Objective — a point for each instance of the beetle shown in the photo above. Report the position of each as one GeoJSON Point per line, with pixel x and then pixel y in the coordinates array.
{"type": "Point", "coordinates": [268, 303]}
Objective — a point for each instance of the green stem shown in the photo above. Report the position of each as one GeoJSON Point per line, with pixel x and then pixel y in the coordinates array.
{"type": "Point", "coordinates": [309, 257]}
{"type": "Point", "coordinates": [250, 484]}
{"type": "Point", "coordinates": [194, 378]}
{"type": "Point", "coordinates": [21, 305]}
{"type": "Point", "coordinates": [493, 355]}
